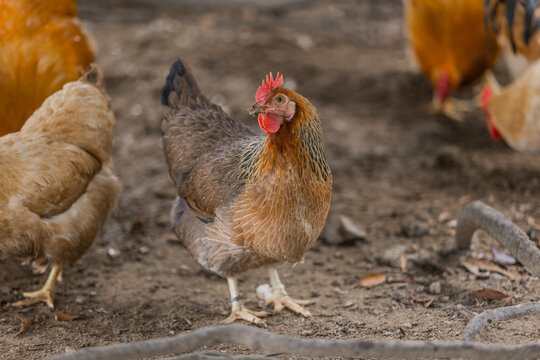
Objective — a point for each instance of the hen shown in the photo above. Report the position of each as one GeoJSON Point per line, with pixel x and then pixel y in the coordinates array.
{"type": "Point", "coordinates": [56, 183]}
{"type": "Point", "coordinates": [246, 200]}
{"type": "Point", "coordinates": [451, 45]}
{"type": "Point", "coordinates": [42, 46]}
{"type": "Point", "coordinates": [513, 112]}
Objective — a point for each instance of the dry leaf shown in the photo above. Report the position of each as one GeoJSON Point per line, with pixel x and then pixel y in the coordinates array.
{"type": "Point", "coordinates": [26, 324]}
{"type": "Point", "coordinates": [482, 268]}
{"type": "Point", "coordinates": [351, 229]}
{"type": "Point", "coordinates": [426, 301]}
{"type": "Point", "coordinates": [452, 224]}
{"type": "Point", "coordinates": [403, 262]}
{"type": "Point", "coordinates": [443, 216]}
{"type": "Point", "coordinates": [490, 295]}
{"type": "Point", "coordinates": [371, 280]}
{"type": "Point", "coordinates": [169, 237]}
{"type": "Point", "coordinates": [58, 316]}
{"type": "Point", "coordinates": [502, 257]}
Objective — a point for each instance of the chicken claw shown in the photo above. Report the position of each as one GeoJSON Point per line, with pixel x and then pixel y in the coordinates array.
{"type": "Point", "coordinates": [281, 299]}
{"type": "Point", "coordinates": [285, 301]}
{"type": "Point", "coordinates": [35, 297]}
{"type": "Point", "coordinates": [43, 294]}
{"type": "Point", "coordinates": [241, 313]}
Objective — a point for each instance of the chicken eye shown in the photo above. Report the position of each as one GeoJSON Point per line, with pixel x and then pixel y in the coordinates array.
{"type": "Point", "coordinates": [280, 99]}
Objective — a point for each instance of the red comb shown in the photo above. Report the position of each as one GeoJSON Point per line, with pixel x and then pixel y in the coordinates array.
{"type": "Point", "coordinates": [268, 85]}
{"type": "Point", "coordinates": [485, 96]}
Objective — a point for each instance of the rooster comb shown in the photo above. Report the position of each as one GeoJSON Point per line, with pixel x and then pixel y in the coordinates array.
{"type": "Point", "coordinates": [268, 85]}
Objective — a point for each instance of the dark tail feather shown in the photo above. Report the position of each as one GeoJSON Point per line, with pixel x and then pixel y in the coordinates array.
{"type": "Point", "coordinates": [180, 86]}
{"type": "Point", "coordinates": [93, 76]}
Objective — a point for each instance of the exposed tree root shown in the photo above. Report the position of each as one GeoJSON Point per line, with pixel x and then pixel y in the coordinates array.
{"type": "Point", "coordinates": [257, 339]}
{"type": "Point", "coordinates": [499, 314]}
{"type": "Point", "coordinates": [478, 215]}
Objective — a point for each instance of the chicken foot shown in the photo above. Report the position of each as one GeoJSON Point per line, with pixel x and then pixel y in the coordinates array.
{"type": "Point", "coordinates": [452, 108]}
{"type": "Point", "coordinates": [43, 294]}
{"type": "Point", "coordinates": [239, 312]}
{"type": "Point", "coordinates": [281, 299]}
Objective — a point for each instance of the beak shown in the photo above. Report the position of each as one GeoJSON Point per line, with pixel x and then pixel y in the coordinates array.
{"type": "Point", "coordinates": [257, 108]}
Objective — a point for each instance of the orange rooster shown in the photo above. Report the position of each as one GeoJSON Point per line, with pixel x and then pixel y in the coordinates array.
{"type": "Point", "coordinates": [42, 47]}
{"type": "Point", "coordinates": [451, 45]}
{"type": "Point", "coordinates": [56, 182]}
{"type": "Point", "coordinates": [246, 200]}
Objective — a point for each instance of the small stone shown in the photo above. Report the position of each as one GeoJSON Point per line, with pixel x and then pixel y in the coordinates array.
{"type": "Point", "coordinates": [342, 230]}
{"type": "Point", "coordinates": [406, 325]}
{"type": "Point", "coordinates": [392, 256]}
{"type": "Point", "coordinates": [435, 287]}
{"type": "Point", "coordinates": [306, 333]}
{"type": "Point", "coordinates": [348, 304]}
{"type": "Point", "coordinates": [144, 250]}
{"type": "Point", "coordinates": [412, 227]}
{"type": "Point", "coordinates": [112, 252]}
{"type": "Point", "coordinates": [264, 292]}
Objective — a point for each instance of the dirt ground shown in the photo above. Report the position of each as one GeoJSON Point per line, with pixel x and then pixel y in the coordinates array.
{"type": "Point", "coordinates": [400, 173]}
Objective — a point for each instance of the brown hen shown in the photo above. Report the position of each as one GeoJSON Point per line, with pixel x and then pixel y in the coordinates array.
{"type": "Point", "coordinates": [246, 200]}
{"type": "Point", "coordinates": [56, 183]}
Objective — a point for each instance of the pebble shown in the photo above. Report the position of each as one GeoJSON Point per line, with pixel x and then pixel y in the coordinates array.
{"type": "Point", "coordinates": [435, 287]}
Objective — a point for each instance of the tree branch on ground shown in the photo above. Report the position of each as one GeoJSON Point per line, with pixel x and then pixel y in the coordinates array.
{"type": "Point", "coordinates": [478, 215]}
{"type": "Point", "coordinates": [500, 314]}
{"type": "Point", "coordinates": [257, 339]}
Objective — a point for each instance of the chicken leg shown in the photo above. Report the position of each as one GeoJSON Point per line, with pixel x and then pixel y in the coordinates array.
{"type": "Point", "coordinates": [43, 294]}
{"type": "Point", "coordinates": [239, 312]}
{"type": "Point", "coordinates": [281, 299]}
{"type": "Point", "coordinates": [452, 108]}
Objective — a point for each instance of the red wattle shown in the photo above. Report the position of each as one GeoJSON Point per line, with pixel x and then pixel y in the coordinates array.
{"type": "Point", "coordinates": [494, 133]}
{"type": "Point", "coordinates": [443, 87]}
{"type": "Point", "coordinates": [269, 123]}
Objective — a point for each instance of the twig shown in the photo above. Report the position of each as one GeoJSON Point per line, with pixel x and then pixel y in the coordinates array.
{"type": "Point", "coordinates": [210, 355]}
{"type": "Point", "coordinates": [257, 339]}
{"type": "Point", "coordinates": [478, 215]}
{"type": "Point", "coordinates": [499, 314]}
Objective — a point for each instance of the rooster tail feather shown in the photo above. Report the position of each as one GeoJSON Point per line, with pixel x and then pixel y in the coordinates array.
{"type": "Point", "coordinates": [180, 87]}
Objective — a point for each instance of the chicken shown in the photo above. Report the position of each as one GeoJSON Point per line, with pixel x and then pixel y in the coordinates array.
{"type": "Point", "coordinates": [513, 113]}
{"type": "Point", "coordinates": [516, 23]}
{"type": "Point", "coordinates": [42, 46]}
{"type": "Point", "coordinates": [244, 200]}
{"type": "Point", "coordinates": [56, 182]}
{"type": "Point", "coordinates": [451, 45]}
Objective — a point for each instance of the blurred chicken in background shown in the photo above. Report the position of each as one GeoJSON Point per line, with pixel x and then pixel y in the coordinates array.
{"type": "Point", "coordinates": [452, 46]}
{"type": "Point", "coordinates": [516, 24]}
{"type": "Point", "coordinates": [57, 187]}
{"type": "Point", "coordinates": [513, 112]}
{"type": "Point", "coordinates": [42, 46]}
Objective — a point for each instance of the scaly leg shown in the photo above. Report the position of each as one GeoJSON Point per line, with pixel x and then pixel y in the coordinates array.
{"type": "Point", "coordinates": [452, 108]}
{"type": "Point", "coordinates": [239, 312]}
{"type": "Point", "coordinates": [281, 299]}
{"type": "Point", "coordinates": [43, 294]}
